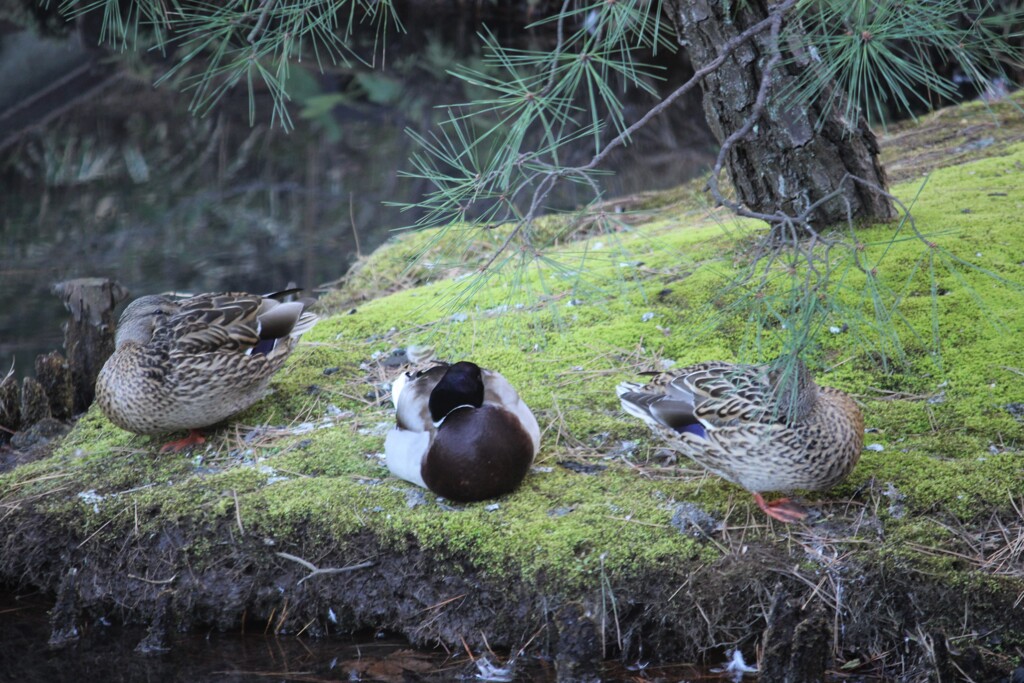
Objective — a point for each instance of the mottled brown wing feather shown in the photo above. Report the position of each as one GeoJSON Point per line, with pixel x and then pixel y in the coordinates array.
{"type": "Point", "coordinates": [728, 394]}
{"type": "Point", "coordinates": [207, 323]}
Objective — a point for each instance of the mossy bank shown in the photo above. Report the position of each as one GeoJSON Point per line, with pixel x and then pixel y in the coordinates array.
{"type": "Point", "coordinates": [610, 548]}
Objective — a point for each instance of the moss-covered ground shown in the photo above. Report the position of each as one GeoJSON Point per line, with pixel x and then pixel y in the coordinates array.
{"type": "Point", "coordinates": [925, 539]}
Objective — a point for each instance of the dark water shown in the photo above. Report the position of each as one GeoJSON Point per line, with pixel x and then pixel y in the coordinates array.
{"type": "Point", "coordinates": [106, 652]}
{"type": "Point", "coordinates": [126, 183]}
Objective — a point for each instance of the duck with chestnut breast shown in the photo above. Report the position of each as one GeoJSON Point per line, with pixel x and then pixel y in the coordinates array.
{"type": "Point", "coordinates": [190, 363]}
{"type": "Point", "coordinates": [763, 427]}
{"type": "Point", "coordinates": [461, 431]}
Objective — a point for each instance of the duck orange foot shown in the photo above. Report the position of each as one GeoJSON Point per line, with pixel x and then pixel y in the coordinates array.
{"type": "Point", "coordinates": [782, 509]}
{"type": "Point", "coordinates": [194, 438]}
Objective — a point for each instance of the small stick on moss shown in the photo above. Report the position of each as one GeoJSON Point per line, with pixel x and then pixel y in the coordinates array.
{"type": "Point", "coordinates": [102, 527]}
{"type": "Point", "coordinates": [14, 505]}
{"type": "Point", "coordinates": [636, 521]}
{"type": "Point", "coordinates": [888, 395]}
{"type": "Point", "coordinates": [36, 480]}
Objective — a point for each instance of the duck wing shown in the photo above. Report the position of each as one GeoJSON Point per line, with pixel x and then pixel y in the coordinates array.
{"type": "Point", "coordinates": [724, 394]}
{"type": "Point", "coordinates": [658, 405]}
{"type": "Point", "coordinates": [232, 322]}
{"type": "Point", "coordinates": [211, 322]}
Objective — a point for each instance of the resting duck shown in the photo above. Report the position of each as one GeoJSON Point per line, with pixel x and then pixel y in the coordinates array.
{"type": "Point", "coordinates": [462, 432]}
{"type": "Point", "coordinates": [757, 426]}
{"type": "Point", "coordinates": [190, 363]}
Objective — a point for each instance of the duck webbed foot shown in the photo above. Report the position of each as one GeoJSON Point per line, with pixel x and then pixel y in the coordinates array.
{"type": "Point", "coordinates": [194, 438]}
{"type": "Point", "coordinates": [782, 509]}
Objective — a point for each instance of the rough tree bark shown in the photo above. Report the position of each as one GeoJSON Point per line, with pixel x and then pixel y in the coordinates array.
{"type": "Point", "coordinates": [797, 153]}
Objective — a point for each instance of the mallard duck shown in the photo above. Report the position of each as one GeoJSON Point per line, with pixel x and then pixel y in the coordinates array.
{"type": "Point", "coordinates": [759, 426]}
{"type": "Point", "coordinates": [190, 363]}
{"type": "Point", "coordinates": [461, 431]}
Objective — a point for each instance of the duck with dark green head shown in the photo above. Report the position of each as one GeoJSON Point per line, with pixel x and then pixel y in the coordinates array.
{"type": "Point", "coordinates": [461, 431]}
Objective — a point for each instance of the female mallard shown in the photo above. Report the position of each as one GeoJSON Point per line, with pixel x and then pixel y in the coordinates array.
{"type": "Point", "coordinates": [764, 428]}
{"type": "Point", "coordinates": [462, 432]}
{"type": "Point", "coordinates": [190, 363]}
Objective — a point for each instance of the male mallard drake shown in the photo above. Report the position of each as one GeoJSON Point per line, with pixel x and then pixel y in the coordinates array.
{"type": "Point", "coordinates": [190, 363]}
{"type": "Point", "coordinates": [757, 426]}
{"type": "Point", "coordinates": [462, 432]}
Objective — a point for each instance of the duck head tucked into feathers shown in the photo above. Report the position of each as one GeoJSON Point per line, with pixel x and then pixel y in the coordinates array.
{"type": "Point", "coordinates": [192, 362]}
{"type": "Point", "coordinates": [461, 431]}
{"type": "Point", "coordinates": [764, 427]}
{"type": "Point", "coordinates": [462, 385]}
{"type": "Point", "coordinates": [140, 318]}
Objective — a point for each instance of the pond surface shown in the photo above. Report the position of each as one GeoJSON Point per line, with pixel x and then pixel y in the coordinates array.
{"type": "Point", "coordinates": [106, 652]}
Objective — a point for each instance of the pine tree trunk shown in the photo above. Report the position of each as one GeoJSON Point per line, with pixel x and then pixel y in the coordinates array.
{"type": "Point", "coordinates": [797, 153]}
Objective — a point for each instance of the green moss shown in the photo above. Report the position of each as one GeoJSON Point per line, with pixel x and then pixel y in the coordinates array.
{"type": "Point", "coordinates": [951, 137]}
{"type": "Point", "coordinates": [538, 529]}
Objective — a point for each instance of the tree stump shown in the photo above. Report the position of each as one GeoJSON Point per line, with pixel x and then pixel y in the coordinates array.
{"type": "Point", "coordinates": [89, 335]}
